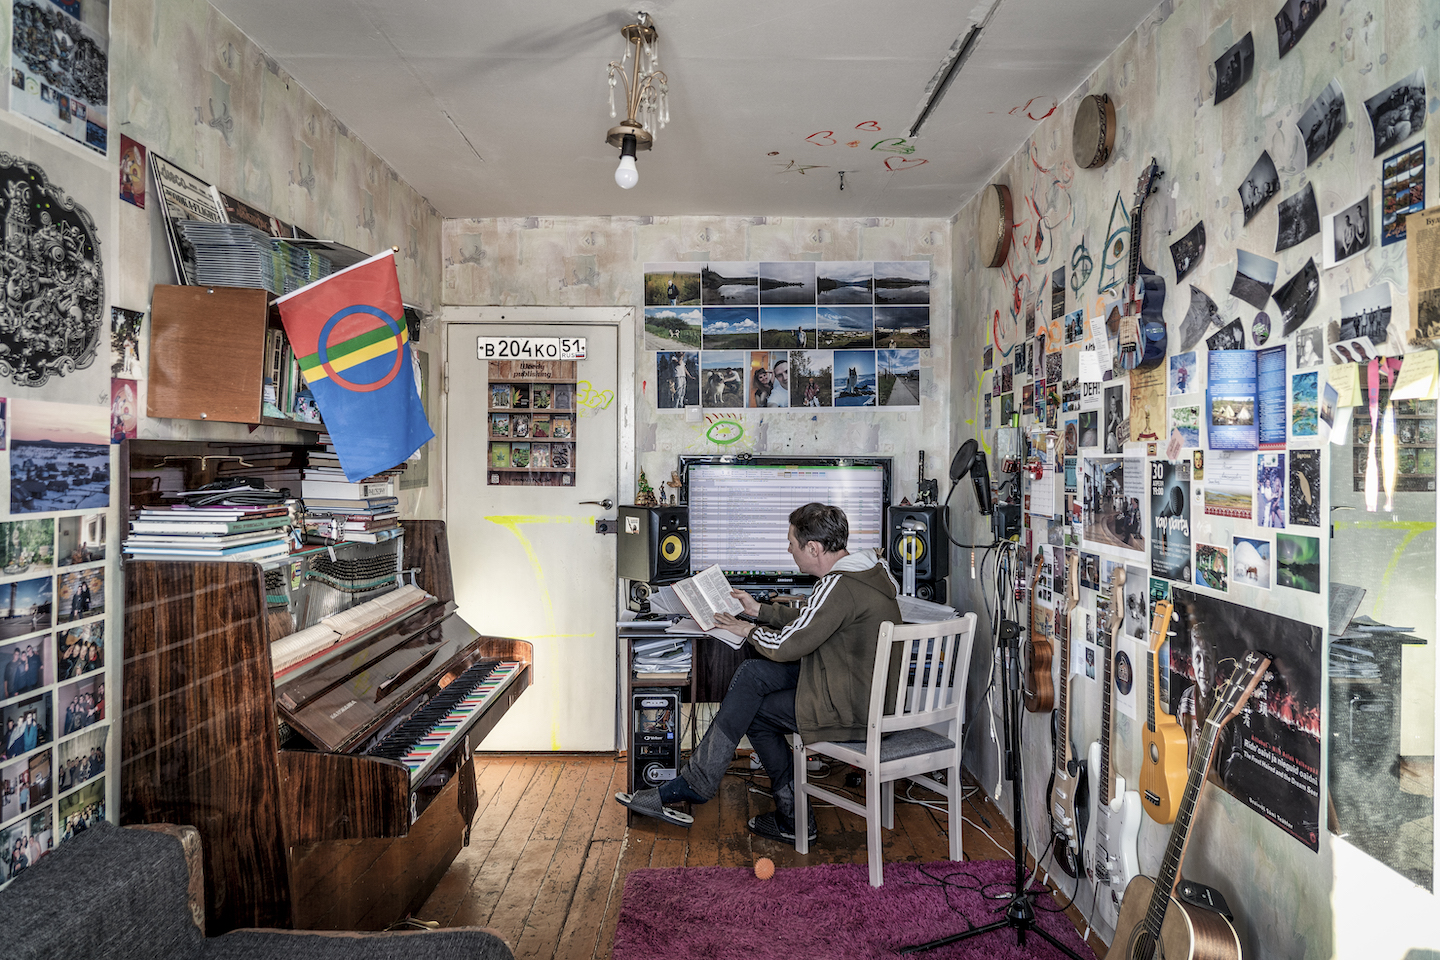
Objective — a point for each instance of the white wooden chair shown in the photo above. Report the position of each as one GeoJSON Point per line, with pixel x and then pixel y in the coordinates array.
{"type": "Point", "coordinates": [913, 731]}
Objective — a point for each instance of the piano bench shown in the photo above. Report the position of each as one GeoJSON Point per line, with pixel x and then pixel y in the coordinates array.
{"type": "Point", "coordinates": [117, 892]}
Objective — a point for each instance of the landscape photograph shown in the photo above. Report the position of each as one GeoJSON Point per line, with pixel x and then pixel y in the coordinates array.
{"type": "Point", "coordinates": [672, 284]}
{"type": "Point", "coordinates": [902, 327]}
{"type": "Point", "coordinates": [904, 281]}
{"type": "Point", "coordinates": [730, 284]}
{"type": "Point", "coordinates": [671, 328]}
{"type": "Point", "coordinates": [897, 375]}
{"type": "Point", "coordinates": [787, 328]}
{"type": "Point", "coordinates": [845, 282]}
{"type": "Point", "coordinates": [730, 328]}
{"type": "Point", "coordinates": [840, 328]}
{"type": "Point", "coordinates": [788, 282]}
{"type": "Point", "coordinates": [59, 456]}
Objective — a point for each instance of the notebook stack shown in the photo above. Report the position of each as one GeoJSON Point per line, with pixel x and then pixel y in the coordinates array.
{"type": "Point", "coordinates": [337, 509]}
{"type": "Point", "coordinates": [219, 532]}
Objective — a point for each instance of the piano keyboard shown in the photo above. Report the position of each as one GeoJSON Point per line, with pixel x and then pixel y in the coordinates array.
{"type": "Point", "coordinates": [433, 728]}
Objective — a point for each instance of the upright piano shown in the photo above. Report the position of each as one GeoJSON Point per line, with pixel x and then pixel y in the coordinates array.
{"type": "Point", "coordinates": [315, 720]}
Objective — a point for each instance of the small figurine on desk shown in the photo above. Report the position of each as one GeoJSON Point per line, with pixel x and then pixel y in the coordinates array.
{"type": "Point", "coordinates": [674, 484]}
{"type": "Point", "coordinates": [645, 495]}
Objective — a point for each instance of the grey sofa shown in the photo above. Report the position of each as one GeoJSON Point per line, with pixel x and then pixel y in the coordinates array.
{"type": "Point", "coordinates": [120, 892]}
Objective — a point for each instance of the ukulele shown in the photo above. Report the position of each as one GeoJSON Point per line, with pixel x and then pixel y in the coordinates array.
{"type": "Point", "coordinates": [1162, 766]}
{"type": "Point", "coordinates": [1142, 328]}
{"type": "Point", "coordinates": [1037, 685]}
{"type": "Point", "coordinates": [1069, 776]}
{"type": "Point", "coordinates": [1112, 857]}
{"type": "Point", "coordinates": [1153, 922]}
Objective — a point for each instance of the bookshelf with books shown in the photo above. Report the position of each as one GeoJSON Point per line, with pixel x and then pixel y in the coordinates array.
{"type": "Point", "coordinates": [531, 423]}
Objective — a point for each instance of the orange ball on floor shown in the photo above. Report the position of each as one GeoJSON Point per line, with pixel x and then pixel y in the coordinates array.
{"type": "Point", "coordinates": [764, 868]}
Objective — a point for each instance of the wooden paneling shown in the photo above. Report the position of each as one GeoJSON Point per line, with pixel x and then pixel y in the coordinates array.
{"type": "Point", "coordinates": [207, 353]}
{"type": "Point", "coordinates": [715, 666]}
{"type": "Point", "coordinates": [427, 549]}
{"type": "Point", "coordinates": [334, 796]}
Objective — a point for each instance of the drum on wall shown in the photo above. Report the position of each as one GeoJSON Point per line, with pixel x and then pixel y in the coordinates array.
{"type": "Point", "coordinates": [996, 220]}
{"type": "Point", "coordinates": [1094, 135]}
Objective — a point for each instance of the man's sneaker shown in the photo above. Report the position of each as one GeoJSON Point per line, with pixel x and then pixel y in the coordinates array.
{"type": "Point", "coordinates": [772, 826]}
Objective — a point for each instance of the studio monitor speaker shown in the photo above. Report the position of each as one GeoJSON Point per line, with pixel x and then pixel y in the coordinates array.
{"type": "Point", "coordinates": [930, 548]}
{"type": "Point", "coordinates": [654, 544]}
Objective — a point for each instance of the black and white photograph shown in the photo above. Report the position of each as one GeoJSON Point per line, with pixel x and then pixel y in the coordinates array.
{"type": "Point", "coordinates": [1309, 348]}
{"type": "Point", "coordinates": [25, 842]}
{"type": "Point", "coordinates": [1233, 69]}
{"type": "Point", "coordinates": [1346, 234]}
{"type": "Point", "coordinates": [1397, 113]}
{"type": "Point", "coordinates": [1254, 278]}
{"type": "Point", "coordinates": [788, 282]}
{"type": "Point", "coordinates": [1187, 251]}
{"type": "Point", "coordinates": [1296, 297]}
{"type": "Point", "coordinates": [722, 378]}
{"type": "Point", "coordinates": [81, 538]}
{"type": "Point", "coordinates": [81, 759]}
{"type": "Point", "coordinates": [730, 328]}
{"type": "Point", "coordinates": [1229, 337]}
{"type": "Point", "coordinates": [125, 343]}
{"type": "Point", "coordinates": [59, 456]}
{"type": "Point", "coordinates": [848, 328]}
{"type": "Point", "coordinates": [727, 284]}
{"type": "Point", "coordinates": [673, 328]}
{"type": "Point", "coordinates": [677, 379]}
{"type": "Point", "coordinates": [1363, 314]}
{"type": "Point", "coordinates": [1299, 219]}
{"type": "Point", "coordinates": [1259, 185]}
{"type": "Point", "coordinates": [1117, 425]}
{"type": "Point", "coordinates": [26, 545]}
{"type": "Point", "coordinates": [25, 785]}
{"type": "Point", "coordinates": [1089, 426]}
{"type": "Point", "coordinates": [1322, 121]}
{"type": "Point", "coordinates": [902, 281]}
{"type": "Point", "coordinates": [1111, 506]}
{"type": "Point", "coordinates": [668, 285]}
{"type": "Point", "coordinates": [845, 282]}
{"type": "Point", "coordinates": [1202, 315]}
{"type": "Point", "coordinates": [26, 725]}
{"type": "Point", "coordinates": [28, 666]}
{"type": "Point", "coordinates": [25, 606]}
{"type": "Point", "coordinates": [1293, 20]}
{"type": "Point", "coordinates": [59, 332]}
{"type": "Point", "coordinates": [1022, 359]}
{"type": "Point", "coordinates": [81, 649]}
{"type": "Point", "coordinates": [79, 594]}
{"type": "Point", "coordinates": [81, 704]}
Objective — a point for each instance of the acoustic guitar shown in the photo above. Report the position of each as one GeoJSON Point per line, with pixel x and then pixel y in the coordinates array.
{"type": "Point", "coordinates": [1142, 329]}
{"type": "Point", "coordinates": [1153, 922]}
{"type": "Point", "coordinates": [1162, 767]}
{"type": "Point", "coordinates": [1112, 857]}
{"type": "Point", "coordinates": [1037, 687]}
{"type": "Point", "coordinates": [1069, 783]}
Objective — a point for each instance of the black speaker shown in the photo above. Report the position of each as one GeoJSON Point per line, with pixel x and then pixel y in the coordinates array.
{"type": "Point", "coordinates": [654, 544]}
{"type": "Point", "coordinates": [930, 547]}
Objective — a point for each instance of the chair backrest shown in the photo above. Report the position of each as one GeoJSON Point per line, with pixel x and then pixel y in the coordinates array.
{"type": "Point", "coordinates": [934, 665]}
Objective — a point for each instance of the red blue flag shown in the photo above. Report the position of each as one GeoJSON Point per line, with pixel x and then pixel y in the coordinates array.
{"type": "Point", "coordinates": [348, 333]}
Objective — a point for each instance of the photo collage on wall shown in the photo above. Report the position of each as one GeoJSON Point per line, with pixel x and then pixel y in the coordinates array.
{"type": "Point", "coordinates": [816, 334]}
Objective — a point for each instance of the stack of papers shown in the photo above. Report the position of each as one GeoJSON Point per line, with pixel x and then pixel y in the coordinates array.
{"type": "Point", "coordinates": [667, 657]}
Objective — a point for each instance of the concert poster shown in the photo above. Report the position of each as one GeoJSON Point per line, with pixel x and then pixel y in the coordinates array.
{"type": "Point", "coordinates": [1268, 757]}
{"type": "Point", "coordinates": [1170, 519]}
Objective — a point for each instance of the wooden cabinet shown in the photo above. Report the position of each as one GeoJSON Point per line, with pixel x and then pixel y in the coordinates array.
{"type": "Point", "coordinates": [207, 355]}
{"type": "Point", "coordinates": [531, 427]}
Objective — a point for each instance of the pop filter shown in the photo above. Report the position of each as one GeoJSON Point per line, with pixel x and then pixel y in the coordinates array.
{"type": "Point", "coordinates": [963, 458]}
{"type": "Point", "coordinates": [970, 459]}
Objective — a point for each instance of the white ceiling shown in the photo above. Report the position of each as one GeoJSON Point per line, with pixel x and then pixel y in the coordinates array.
{"type": "Point", "coordinates": [499, 108]}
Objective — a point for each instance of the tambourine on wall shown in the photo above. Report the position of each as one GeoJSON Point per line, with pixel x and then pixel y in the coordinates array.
{"type": "Point", "coordinates": [996, 222]}
{"type": "Point", "coordinates": [1094, 135]}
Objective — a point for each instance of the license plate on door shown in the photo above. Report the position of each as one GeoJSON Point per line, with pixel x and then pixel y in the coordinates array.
{"type": "Point", "coordinates": [531, 348]}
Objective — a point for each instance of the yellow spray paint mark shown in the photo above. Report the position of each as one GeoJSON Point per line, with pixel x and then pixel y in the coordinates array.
{"type": "Point", "coordinates": [1413, 529]}
{"type": "Point", "coordinates": [513, 524]}
{"type": "Point", "coordinates": [587, 396]}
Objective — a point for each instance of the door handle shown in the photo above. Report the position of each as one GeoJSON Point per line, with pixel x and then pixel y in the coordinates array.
{"type": "Point", "coordinates": [605, 504]}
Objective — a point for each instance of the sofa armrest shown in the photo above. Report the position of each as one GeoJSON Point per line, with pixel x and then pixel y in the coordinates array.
{"type": "Point", "coordinates": [189, 839]}
{"type": "Point", "coordinates": [452, 943]}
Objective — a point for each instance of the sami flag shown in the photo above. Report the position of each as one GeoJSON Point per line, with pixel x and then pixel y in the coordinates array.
{"type": "Point", "coordinates": [348, 333]}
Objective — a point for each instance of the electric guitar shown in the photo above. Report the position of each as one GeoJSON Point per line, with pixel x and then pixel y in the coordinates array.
{"type": "Point", "coordinates": [1038, 687]}
{"type": "Point", "coordinates": [1112, 857]}
{"type": "Point", "coordinates": [1162, 766]}
{"type": "Point", "coordinates": [1142, 328]}
{"type": "Point", "coordinates": [1153, 922]}
{"type": "Point", "coordinates": [1066, 802]}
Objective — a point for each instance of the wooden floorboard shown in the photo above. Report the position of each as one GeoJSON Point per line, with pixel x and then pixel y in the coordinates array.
{"type": "Point", "coordinates": [550, 848]}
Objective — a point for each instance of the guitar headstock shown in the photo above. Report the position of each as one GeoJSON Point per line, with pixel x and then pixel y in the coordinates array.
{"type": "Point", "coordinates": [1242, 683]}
{"type": "Point", "coordinates": [1072, 579]}
{"type": "Point", "coordinates": [1148, 182]}
{"type": "Point", "coordinates": [1160, 623]}
{"type": "Point", "coordinates": [1117, 580]}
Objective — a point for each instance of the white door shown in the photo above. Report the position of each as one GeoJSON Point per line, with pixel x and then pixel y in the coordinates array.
{"type": "Point", "coordinates": [527, 561]}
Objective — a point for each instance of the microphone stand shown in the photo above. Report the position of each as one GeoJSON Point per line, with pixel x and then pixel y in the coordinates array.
{"type": "Point", "coordinates": [1020, 912]}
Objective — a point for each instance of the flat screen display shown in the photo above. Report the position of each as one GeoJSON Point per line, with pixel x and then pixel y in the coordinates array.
{"type": "Point", "coordinates": [740, 509]}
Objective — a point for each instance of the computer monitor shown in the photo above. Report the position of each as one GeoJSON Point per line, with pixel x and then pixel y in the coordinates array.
{"type": "Point", "coordinates": [740, 508]}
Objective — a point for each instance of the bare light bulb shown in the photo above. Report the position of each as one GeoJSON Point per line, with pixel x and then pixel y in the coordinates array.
{"type": "Point", "coordinates": [626, 175]}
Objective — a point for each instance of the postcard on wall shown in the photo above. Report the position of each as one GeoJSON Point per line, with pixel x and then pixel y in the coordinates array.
{"type": "Point", "coordinates": [60, 456]}
{"type": "Point", "coordinates": [1305, 488]}
{"type": "Point", "coordinates": [1228, 485]}
{"type": "Point", "coordinates": [1402, 192]}
{"type": "Point", "coordinates": [132, 172]}
{"type": "Point", "coordinates": [1270, 485]}
{"type": "Point", "coordinates": [60, 71]}
{"type": "Point", "coordinates": [1250, 562]}
{"type": "Point", "coordinates": [1245, 399]}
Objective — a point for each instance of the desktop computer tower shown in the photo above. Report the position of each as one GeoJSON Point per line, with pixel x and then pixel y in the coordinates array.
{"type": "Point", "coordinates": [654, 737]}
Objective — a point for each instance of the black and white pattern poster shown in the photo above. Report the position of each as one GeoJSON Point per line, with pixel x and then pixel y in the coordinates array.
{"type": "Point", "coordinates": [1269, 756]}
{"type": "Point", "coordinates": [60, 69]}
{"type": "Point", "coordinates": [1170, 521]}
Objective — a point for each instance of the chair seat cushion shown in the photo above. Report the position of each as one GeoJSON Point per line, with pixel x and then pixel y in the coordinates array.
{"type": "Point", "coordinates": [900, 744]}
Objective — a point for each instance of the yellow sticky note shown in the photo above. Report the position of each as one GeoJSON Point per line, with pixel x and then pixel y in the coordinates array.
{"type": "Point", "coordinates": [1418, 378]}
{"type": "Point", "coordinates": [1345, 378]}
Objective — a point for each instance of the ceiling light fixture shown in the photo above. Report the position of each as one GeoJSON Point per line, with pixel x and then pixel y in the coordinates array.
{"type": "Point", "coordinates": [646, 104]}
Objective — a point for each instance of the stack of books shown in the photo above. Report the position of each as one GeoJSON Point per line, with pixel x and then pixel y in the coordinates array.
{"type": "Point", "coordinates": [337, 509]}
{"type": "Point", "coordinates": [220, 532]}
{"type": "Point", "coordinates": [662, 658]}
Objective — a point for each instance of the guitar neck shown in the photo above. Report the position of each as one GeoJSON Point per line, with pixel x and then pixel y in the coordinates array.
{"type": "Point", "coordinates": [1107, 772]}
{"type": "Point", "coordinates": [1062, 697]}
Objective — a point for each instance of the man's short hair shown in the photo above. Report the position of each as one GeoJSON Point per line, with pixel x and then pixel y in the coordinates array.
{"type": "Point", "coordinates": [822, 523]}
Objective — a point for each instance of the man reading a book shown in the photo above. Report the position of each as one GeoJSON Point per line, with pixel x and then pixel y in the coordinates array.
{"type": "Point", "coordinates": [813, 675]}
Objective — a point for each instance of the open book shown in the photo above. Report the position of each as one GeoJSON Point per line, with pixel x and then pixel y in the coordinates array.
{"type": "Point", "coordinates": [706, 594]}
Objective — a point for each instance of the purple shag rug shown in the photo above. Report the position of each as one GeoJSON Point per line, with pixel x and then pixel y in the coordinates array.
{"type": "Point", "coordinates": [826, 912]}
